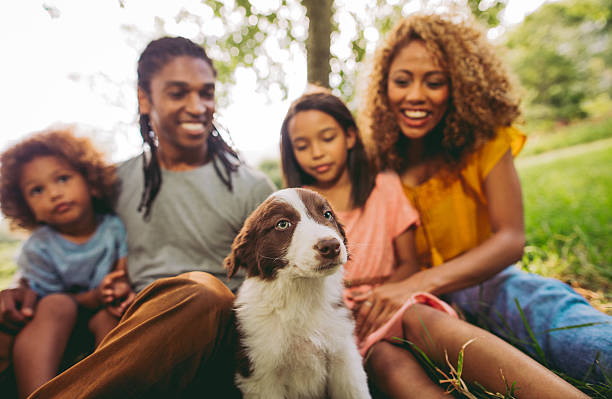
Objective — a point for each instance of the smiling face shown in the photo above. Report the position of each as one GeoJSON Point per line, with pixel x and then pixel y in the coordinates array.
{"type": "Point", "coordinates": [418, 90]}
{"type": "Point", "coordinates": [320, 145]}
{"type": "Point", "coordinates": [57, 194]}
{"type": "Point", "coordinates": [181, 105]}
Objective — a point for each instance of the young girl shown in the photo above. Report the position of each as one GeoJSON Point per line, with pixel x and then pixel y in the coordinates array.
{"type": "Point", "coordinates": [439, 111]}
{"type": "Point", "coordinates": [59, 186]}
{"type": "Point", "coordinates": [321, 150]}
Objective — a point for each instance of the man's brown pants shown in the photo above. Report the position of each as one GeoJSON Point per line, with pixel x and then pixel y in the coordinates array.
{"type": "Point", "coordinates": [176, 340]}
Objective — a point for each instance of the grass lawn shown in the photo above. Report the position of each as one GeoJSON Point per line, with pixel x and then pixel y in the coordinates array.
{"type": "Point", "coordinates": [7, 264]}
{"type": "Point", "coordinates": [566, 136]}
{"type": "Point", "coordinates": [568, 216]}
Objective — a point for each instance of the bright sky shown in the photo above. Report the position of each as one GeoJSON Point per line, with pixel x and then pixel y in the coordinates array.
{"type": "Point", "coordinates": [79, 67]}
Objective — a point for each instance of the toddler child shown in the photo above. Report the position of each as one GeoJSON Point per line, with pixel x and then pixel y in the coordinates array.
{"type": "Point", "coordinates": [59, 187]}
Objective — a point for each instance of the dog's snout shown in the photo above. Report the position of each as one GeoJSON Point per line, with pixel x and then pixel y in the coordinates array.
{"type": "Point", "coordinates": [328, 247]}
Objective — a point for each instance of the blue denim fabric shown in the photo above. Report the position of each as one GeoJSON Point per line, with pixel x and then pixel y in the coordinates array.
{"type": "Point", "coordinates": [547, 304]}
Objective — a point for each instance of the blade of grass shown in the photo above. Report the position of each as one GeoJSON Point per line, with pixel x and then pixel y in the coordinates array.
{"type": "Point", "coordinates": [576, 326]}
{"type": "Point", "coordinates": [536, 345]}
{"type": "Point", "coordinates": [460, 358]}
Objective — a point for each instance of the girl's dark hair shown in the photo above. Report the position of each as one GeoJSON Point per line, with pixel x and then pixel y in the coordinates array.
{"type": "Point", "coordinates": [154, 57]}
{"type": "Point", "coordinates": [79, 152]}
{"type": "Point", "coordinates": [361, 171]}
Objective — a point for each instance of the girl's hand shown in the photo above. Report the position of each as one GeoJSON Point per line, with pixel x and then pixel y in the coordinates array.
{"type": "Point", "coordinates": [376, 307]}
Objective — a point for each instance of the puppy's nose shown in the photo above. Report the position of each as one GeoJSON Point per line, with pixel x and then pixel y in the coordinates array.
{"type": "Point", "coordinates": [329, 248]}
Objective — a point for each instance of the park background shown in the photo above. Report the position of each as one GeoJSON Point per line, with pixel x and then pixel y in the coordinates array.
{"type": "Point", "coordinates": [74, 62]}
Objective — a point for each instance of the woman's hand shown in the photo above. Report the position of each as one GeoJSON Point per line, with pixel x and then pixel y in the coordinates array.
{"type": "Point", "coordinates": [377, 306]}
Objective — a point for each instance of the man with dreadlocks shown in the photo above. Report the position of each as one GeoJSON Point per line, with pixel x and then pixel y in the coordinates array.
{"type": "Point", "coordinates": [196, 193]}
{"type": "Point", "coordinates": [181, 217]}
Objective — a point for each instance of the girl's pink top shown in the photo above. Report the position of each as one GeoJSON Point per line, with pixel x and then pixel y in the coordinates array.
{"type": "Point", "coordinates": [372, 229]}
{"type": "Point", "coordinates": [370, 233]}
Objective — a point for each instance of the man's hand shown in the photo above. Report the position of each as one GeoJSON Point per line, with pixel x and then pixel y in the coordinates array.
{"type": "Point", "coordinates": [16, 307]}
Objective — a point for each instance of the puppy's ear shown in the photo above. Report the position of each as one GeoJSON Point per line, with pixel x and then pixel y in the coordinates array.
{"type": "Point", "coordinates": [238, 256]}
{"type": "Point", "coordinates": [343, 234]}
{"type": "Point", "coordinates": [341, 230]}
{"type": "Point", "coordinates": [230, 265]}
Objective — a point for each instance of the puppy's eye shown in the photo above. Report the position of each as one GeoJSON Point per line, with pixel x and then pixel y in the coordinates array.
{"type": "Point", "coordinates": [282, 225]}
{"type": "Point", "coordinates": [328, 215]}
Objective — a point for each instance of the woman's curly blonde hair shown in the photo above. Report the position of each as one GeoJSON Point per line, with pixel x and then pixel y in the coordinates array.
{"type": "Point", "coordinates": [62, 143]}
{"type": "Point", "coordinates": [481, 97]}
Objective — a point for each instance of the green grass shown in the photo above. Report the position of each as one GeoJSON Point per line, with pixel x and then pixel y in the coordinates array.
{"type": "Point", "coordinates": [7, 263]}
{"type": "Point", "coordinates": [555, 137]}
{"type": "Point", "coordinates": [568, 216]}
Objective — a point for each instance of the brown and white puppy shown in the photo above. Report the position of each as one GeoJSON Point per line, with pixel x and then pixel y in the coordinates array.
{"type": "Point", "coordinates": [297, 334]}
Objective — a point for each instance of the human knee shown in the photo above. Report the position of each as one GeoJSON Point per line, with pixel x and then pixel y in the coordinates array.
{"type": "Point", "coordinates": [60, 308]}
{"type": "Point", "coordinates": [206, 291]}
{"type": "Point", "coordinates": [380, 358]}
{"type": "Point", "coordinates": [55, 314]}
{"type": "Point", "coordinates": [416, 320]}
{"type": "Point", "coordinates": [101, 320]}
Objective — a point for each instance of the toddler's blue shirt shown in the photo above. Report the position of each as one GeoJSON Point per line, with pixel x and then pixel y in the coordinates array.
{"type": "Point", "coordinates": [53, 264]}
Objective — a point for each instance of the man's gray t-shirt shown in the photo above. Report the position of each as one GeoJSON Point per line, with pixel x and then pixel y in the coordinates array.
{"type": "Point", "coordinates": [193, 220]}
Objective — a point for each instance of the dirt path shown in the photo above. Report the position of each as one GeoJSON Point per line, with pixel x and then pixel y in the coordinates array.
{"type": "Point", "coordinates": [525, 162]}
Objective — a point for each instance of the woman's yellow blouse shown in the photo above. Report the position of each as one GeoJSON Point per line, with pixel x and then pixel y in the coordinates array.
{"type": "Point", "coordinates": [453, 210]}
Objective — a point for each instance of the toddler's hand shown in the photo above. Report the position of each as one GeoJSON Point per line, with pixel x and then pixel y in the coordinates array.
{"type": "Point", "coordinates": [123, 297]}
{"type": "Point", "coordinates": [105, 292]}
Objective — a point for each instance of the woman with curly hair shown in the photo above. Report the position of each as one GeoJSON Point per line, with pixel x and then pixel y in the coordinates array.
{"type": "Point", "coordinates": [321, 149]}
{"type": "Point", "coordinates": [59, 187]}
{"type": "Point", "coordinates": [439, 111]}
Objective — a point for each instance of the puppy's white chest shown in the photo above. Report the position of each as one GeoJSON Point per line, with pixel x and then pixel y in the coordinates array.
{"type": "Point", "coordinates": [298, 341]}
{"type": "Point", "coordinates": [288, 359]}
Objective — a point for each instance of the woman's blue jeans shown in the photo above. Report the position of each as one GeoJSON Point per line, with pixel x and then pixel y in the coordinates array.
{"type": "Point", "coordinates": [547, 305]}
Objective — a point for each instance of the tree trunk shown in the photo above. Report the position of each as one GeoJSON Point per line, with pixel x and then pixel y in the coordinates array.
{"type": "Point", "coordinates": [319, 13]}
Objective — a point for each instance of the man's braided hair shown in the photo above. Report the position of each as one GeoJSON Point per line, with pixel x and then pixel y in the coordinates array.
{"type": "Point", "coordinates": [154, 57]}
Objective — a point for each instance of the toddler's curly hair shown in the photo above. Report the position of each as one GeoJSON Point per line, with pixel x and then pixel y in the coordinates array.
{"type": "Point", "coordinates": [481, 96]}
{"type": "Point", "coordinates": [62, 143]}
